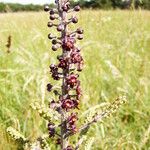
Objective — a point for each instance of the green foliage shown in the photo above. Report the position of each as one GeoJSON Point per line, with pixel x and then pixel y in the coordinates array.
{"type": "Point", "coordinates": [109, 4]}
{"type": "Point", "coordinates": [10, 7]}
{"type": "Point", "coordinates": [99, 4]}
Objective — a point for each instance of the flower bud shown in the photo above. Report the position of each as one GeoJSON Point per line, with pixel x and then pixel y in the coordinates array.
{"type": "Point", "coordinates": [52, 12]}
{"type": "Point", "coordinates": [50, 24]}
{"type": "Point", "coordinates": [55, 47]}
{"type": "Point", "coordinates": [69, 148]}
{"type": "Point", "coordinates": [54, 41]}
{"type": "Point", "coordinates": [80, 37]}
{"type": "Point", "coordinates": [64, 8]}
{"type": "Point", "coordinates": [75, 20]}
{"type": "Point", "coordinates": [60, 27]}
{"type": "Point", "coordinates": [50, 36]}
{"type": "Point", "coordinates": [80, 31]}
{"type": "Point", "coordinates": [77, 8]}
{"type": "Point", "coordinates": [49, 87]}
{"type": "Point", "coordinates": [46, 8]}
{"type": "Point", "coordinates": [52, 17]}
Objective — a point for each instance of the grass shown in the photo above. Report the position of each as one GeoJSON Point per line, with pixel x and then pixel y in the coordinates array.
{"type": "Point", "coordinates": [116, 49]}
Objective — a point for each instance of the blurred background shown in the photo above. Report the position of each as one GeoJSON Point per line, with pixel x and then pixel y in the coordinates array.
{"type": "Point", "coordinates": [116, 50]}
{"type": "Point", "coordinates": [35, 5]}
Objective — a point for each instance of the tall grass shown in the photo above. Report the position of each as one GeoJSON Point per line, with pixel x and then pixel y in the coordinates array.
{"type": "Point", "coordinates": [116, 50]}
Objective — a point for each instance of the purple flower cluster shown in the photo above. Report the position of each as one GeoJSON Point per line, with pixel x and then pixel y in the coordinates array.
{"type": "Point", "coordinates": [69, 63]}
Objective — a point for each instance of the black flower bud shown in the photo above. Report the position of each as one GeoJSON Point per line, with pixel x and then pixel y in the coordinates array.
{"type": "Point", "coordinates": [80, 37]}
{"type": "Point", "coordinates": [60, 27]}
{"type": "Point", "coordinates": [54, 41]}
{"type": "Point", "coordinates": [55, 47]}
{"type": "Point", "coordinates": [46, 8]}
{"type": "Point", "coordinates": [52, 17]}
{"type": "Point", "coordinates": [77, 8]}
{"type": "Point", "coordinates": [50, 36]}
{"type": "Point", "coordinates": [49, 87]}
{"type": "Point", "coordinates": [52, 12]}
{"type": "Point", "coordinates": [80, 31]}
{"type": "Point", "coordinates": [75, 20]}
{"type": "Point", "coordinates": [50, 24]}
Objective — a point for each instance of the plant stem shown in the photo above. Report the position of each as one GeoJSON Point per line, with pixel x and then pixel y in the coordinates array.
{"type": "Point", "coordinates": [62, 15]}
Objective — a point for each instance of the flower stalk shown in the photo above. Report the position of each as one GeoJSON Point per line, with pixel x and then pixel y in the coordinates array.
{"type": "Point", "coordinates": [69, 62]}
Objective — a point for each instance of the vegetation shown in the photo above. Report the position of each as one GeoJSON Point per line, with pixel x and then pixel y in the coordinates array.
{"type": "Point", "coordinates": [99, 4]}
{"type": "Point", "coordinates": [116, 54]}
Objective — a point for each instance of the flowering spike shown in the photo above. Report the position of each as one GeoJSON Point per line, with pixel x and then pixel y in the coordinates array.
{"type": "Point", "coordinates": [63, 70]}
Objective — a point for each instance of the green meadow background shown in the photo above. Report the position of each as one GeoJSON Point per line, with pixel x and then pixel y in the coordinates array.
{"type": "Point", "coordinates": [116, 50]}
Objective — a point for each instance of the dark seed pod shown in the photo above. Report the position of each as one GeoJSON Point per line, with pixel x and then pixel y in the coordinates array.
{"type": "Point", "coordinates": [50, 24]}
{"type": "Point", "coordinates": [77, 8]}
{"type": "Point", "coordinates": [75, 20]}
{"type": "Point", "coordinates": [46, 8]}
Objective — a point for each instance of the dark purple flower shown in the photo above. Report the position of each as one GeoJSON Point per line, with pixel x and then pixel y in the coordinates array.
{"type": "Point", "coordinates": [72, 118]}
{"type": "Point", "coordinates": [68, 43]}
{"type": "Point", "coordinates": [63, 64]}
{"type": "Point", "coordinates": [72, 80]}
{"type": "Point", "coordinates": [67, 104]}
{"type": "Point", "coordinates": [76, 57]}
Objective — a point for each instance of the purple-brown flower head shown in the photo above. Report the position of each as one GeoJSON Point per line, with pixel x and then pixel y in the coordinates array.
{"type": "Point", "coordinates": [76, 57]}
{"type": "Point", "coordinates": [67, 104]}
{"type": "Point", "coordinates": [63, 64]}
{"type": "Point", "coordinates": [68, 43]}
{"type": "Point", "coordinates": [72, 119]}
{"type": "Point", "coordinates": [72, 80]}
